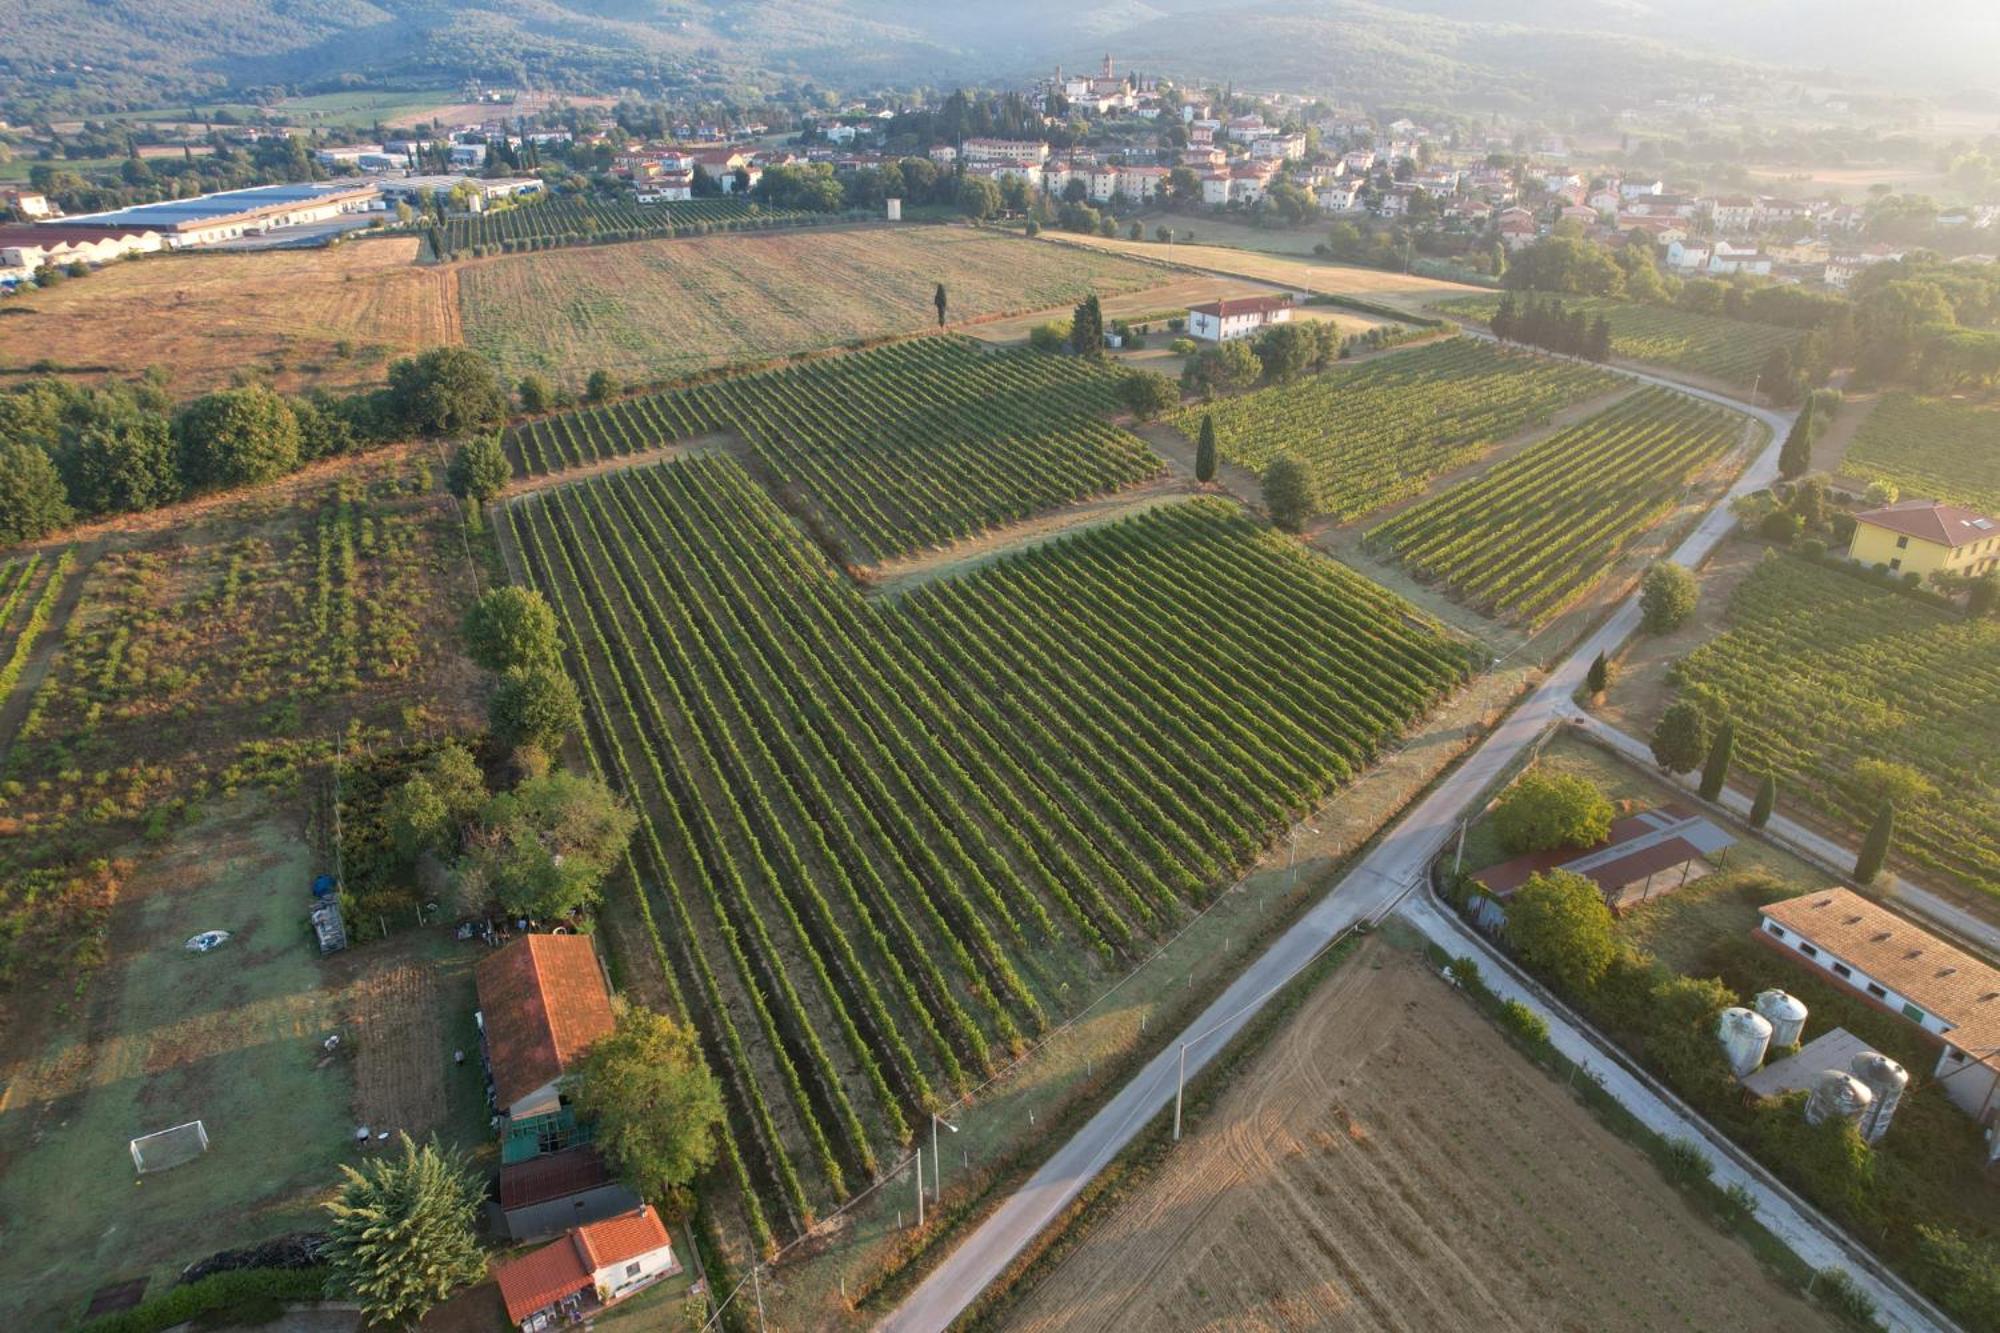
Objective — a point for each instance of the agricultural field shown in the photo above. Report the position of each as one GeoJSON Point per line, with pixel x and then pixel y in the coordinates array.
{"type": "Point", "coordinates": [1377, 432]}
{"type": "Point", "coordinates": [538, 225]}
{"type": "Point", "coordinates": [329, 318]}
{"type": "Point", "coordinates": [1359, 1174]}
{"type": "Point", "coordinates": [656, 309]}
{"type": "Point", "coordinates": [1930, 448]}
{"type": "Point", "coordinates": [1731, 350]}
{"type": "Point", "coordinates": [1302, 271]}
{"type": "Point", "coordinates": [918, 443]}
{"type": "Point", "coordinates": [30, 588]}
{"type": "Point", "coordinates": [229, 655]}
{"type": "Point", "coordinates": [1823, 670]}
{"type": "Point", "coordinates": [881, 840]}
{"type": "Point", "coordinates": [1526, 538]}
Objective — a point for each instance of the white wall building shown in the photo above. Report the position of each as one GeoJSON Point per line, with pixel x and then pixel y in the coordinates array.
{"type": "Point", "coordinates": [1237, 317]}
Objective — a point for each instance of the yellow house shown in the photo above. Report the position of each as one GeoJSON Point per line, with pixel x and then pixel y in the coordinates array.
{"type": "Point", "coordinates": [1924, 536]}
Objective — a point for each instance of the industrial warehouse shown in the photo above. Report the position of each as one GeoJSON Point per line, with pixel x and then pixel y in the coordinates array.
{"type": "Point", "coordinates": [210, 218]}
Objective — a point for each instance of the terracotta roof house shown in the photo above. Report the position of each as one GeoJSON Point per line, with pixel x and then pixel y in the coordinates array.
{"type": "Point", "coordinates": [1645, 855]}
{"type": "Point", "coordinates": [1923, 536]}
{"type": "Point", "coordinates": [591, 1267]}
{"type": "Point", "coordinates": [1237, 317]}
{"type": "Point", "coordinates": [542, 1002]}
{"type": "Point", "coordinates": [1898, 966]}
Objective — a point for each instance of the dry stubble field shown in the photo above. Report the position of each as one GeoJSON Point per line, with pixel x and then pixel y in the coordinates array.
{"type": "Point", "coordinates": [205, 317]}
{"type": "Point", "coordinates": [650, 310]}
{"type": "Point", "coordinates": [1390, 1162]}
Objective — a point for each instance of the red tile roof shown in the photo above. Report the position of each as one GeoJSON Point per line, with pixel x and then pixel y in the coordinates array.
{"type": "Point", "coordinates": [50, 236]}
{"type": "Point", "coordinates": [540, 1278]}
{"type": "Point", "coordinates": [1242, 305]}
{"type": "Point", "coordinates": [1931, 521]}
{"type": "Point", "coordinates": [544, 1002]}
{"type": "Point", "coordinates": [621, 1239]}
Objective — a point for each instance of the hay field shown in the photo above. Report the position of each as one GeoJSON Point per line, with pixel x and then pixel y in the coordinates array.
{"type": "Point", "coordinates": [652, 310]}
{"type": "Point", "coordinates": [328, 318]}
{"type": "Point", "coordinates": [1390, 1162]}
{"type": "Point", "coordinates": [1301, 272]}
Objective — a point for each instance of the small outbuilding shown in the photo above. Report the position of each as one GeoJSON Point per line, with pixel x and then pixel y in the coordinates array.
{"type": "Point", "coordinates": [593, 1266]}
{"type": "Point", "coordinates": [1645, 855]}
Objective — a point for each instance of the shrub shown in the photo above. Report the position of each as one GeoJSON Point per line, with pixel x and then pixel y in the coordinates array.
{"type": "Point", "coordinates": [1781, 526]}
{"type": "Point", "coordinates": [230, 1291]}
{"type": "Point", "coordinates": [1686, 1163]}
{"type": "Point", "coordinates": [1666, 597]}
{"type": "Point", "coordinates": [1182, 347]}
{"type": "Point", "coordinates": [1813, 548]}
{"type": "Point", "coordinates": [1524, 1023]}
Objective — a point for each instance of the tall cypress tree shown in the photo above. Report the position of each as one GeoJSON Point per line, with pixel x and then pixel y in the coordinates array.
{"type": "Point", "coordinates": [1767, 800]}
{"type": "Point", "coordinates": [1796, 456]}
{"type": "Point", "coordinates": [1875, 847]}
{"type": "Point", "coordinates": [1086, 330]}
{"type": "Point", "coordinates": [1204, 452]}
{"type": "Point", "coordinates": [1716, 771]}
{"type": "Point", "coordinates": [1598, 678]}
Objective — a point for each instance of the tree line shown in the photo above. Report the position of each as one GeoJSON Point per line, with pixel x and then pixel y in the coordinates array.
{"type": "Point", "coordinates": [70, 452]}
{"type": "Point", "coordinates": [1547, 325]}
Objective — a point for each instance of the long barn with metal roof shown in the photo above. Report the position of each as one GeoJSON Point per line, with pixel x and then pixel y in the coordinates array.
{"type": "Point", "coordinates": [228, 214]}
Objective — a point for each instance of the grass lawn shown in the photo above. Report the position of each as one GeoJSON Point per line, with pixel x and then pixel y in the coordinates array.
{"type": "Point", "coordinates": [231, 1037]}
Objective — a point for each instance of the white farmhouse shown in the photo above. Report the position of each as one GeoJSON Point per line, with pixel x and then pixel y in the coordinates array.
{"type": "Point", "coordinates": [1237, 317]}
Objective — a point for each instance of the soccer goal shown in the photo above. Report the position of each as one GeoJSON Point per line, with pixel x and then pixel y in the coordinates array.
{"type": "Point", "coordinates": [169, 1147]}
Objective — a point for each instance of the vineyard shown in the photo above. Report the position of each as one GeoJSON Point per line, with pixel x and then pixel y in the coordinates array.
{"type": "Point", "coordinates": [1823, 670]}
{"type": "Point", "coordinates": [879, 841]}
{"type": "Point", "coordinates": [1930, 448]}
{"type": "Point", "coordinates": [1527, 538]}
{"type": "Point", "coordinates": [919, 442]}
{"type": "Point", "coordinates": [655, 310]}
{"type": "Point", "coordinates": [1377, 432]}
{"type": "Point", "coordinates": [1728, 349]}
{"type": "Point", "coordinates": [539, 224]}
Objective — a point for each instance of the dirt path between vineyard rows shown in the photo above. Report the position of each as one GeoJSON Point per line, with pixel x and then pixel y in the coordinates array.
{"type": "Point", "coordinates": [1389, 1161]}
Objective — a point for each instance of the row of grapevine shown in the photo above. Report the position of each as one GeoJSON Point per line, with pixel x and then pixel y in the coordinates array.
{"type": "Point", "coordinates": [1377, 432]}
{"type": "Point", "coordinates": [28, 632]}
{"type": "Point", "coordinates": [880, 841]}
{"type": "Point", "coordinates": [538, 224]}
{"type": "Point", "coordinates": [920, 442]}
{"type": "Point", "coordinates": [1729, 349]}
{"type": "Point", "coordinates": [1823, 670]}
{"type": "Point", "coordinates": [1930, 447]}
{"type": "Point", "coordinates": [1531, 535]}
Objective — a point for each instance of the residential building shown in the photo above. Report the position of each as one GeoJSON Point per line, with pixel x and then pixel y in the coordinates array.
{"type": "Point", "coordinates": [545, 1196]}
{"type": "Point", "coordinates": [1005, 150]}
{"type": "Point", "coordinates": [1733, 212]}
{"type": "Point", "coordinates": [1950, 996]}
{"type": "Point", "coordinates": [594, 1266]}
{"type": "Point", "coordinates": [1630, 189]}
{"type": "Point", "coordinates": [1340, 197]}
{"type": "Point", "coordinates": [1926, 536]}
{"type": "Point", "coordinates": [1278, 147]}
{"type": "Point", "coordinates": [28, 203]}
{"type": "Point", "coordinates": [1237, 317]}
{"type": "Point", "coordinates": [1688, 254]}
{"type": "Point", "coordinates": [469, 156]}
{"type": "Point", "coordinates": [542, 1003]}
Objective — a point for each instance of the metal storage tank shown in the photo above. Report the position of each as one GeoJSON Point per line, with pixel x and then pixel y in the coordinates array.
{"type": "Point", "coordinates": [1745, 1037]}
{"type": "Point", "coordinates": [1787, 1016]}
{"type": "Point", "coordinates": [1886, 1080]}
{"type": "Point", "coordinates": [1837, 1096]}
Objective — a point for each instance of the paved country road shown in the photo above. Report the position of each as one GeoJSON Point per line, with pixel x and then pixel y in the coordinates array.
{"type": "Point", "coordinates": [1376, 884]}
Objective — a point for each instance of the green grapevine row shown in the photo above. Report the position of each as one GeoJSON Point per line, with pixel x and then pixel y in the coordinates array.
{"type": "Point", "coordinates": [1532, 534]}
{"type": "Point", "coordinates": [536, 225]}
{"type": "Point", "coordinates": [879, 839]}
{"type": "Point", "coordinates": [1930, 447]}
{"type": "Point", "coordinates": [1377, 432]}
{"type": "Point", "coordinates": [1823, 670]}
{"type": "Point", "coordinates": [925, 441]}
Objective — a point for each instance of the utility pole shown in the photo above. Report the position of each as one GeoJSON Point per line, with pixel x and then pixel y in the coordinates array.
{"type": "Point", "coordinates": [757, 1283]}
{"type": "Point", "coordinates": [1180, 1088]}
{"type": "Point", "coordinates": [1458, 857]}
{"type": "Point", "coordinates": [920, 1190]}
{"type": "Point", "coordinates": [937, 1161]}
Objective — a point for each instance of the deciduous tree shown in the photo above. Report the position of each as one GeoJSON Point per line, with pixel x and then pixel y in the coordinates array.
{"type": "Point", "coordinates": [1666, 597]}
{"type": "Point", "coordinates": [237, 437]}
{"type": "Point", "coordinates": [535, 705]}
{"type": "Point", "coordinates": [32, 503]}
{"type": "Point", "coordinates": [1148, 393]}
{"type": "Point", "coordinates": [652, 1100]}
{"type": "Point", "coordinates": [1558, 923]}
{"type": "Point", "coordinates": [512, 627]}
{"type": "Point", "coordinates": [1545, 811]}
{"type": "Point", "coordinates": [1288, 493]}
{"type": "Point", "coordinates": [544, 848]}
{"type": "Point", "coordinates": [1680, 741]}
{"type": "Point", "coordinates": [479, 469]}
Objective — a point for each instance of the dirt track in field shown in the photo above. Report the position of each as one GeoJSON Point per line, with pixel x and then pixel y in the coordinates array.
{"type": "Point", "coordinates": [1390, 1162]}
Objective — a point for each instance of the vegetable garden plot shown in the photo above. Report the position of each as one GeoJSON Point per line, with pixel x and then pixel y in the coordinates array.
{"type": "Point", "coordinates": [1823, 670]}
{"type": "Point", "coordinates": [566, 220]}
{"type": "Point", "coordinates": [1729, 349]}
{"type": "Point", "coordinates": [1527, 538]}
{"type": "Point", "coordinates": [878, 840]}
{"type": "Point", "coordinates": [920, 442]}
{"type": "Point", "coordinates": [1930, 448]}
{"type": "Point", "coordinates": [1375, 433]}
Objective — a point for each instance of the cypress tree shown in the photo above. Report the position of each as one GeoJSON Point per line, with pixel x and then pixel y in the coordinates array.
{"type": "Point", "coordinates": [1716, 771]}
{"type": "Point", "coordinates": [1504, 319]}
{"type": "Point", "coordinates": [1204, 453]}
{"type": "Point", "coordinates": [1796, 456]}
{"type": "Point", "coordinates": [1767, 800]}
{"type": "Point", "coordinates": [1599, 676]}
{"type": "Point", "coordinates": [1875, 847]}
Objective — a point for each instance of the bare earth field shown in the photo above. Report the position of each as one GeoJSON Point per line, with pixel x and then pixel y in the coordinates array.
{"type": "Point", "coordinates": [650, 310]}
{"type": "Point", "coordinates": [1390, 1162]}
{"type": "Point", "coordinates": [205, 317]}
{"type": "Point", "coordinates": [1305, 272]}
